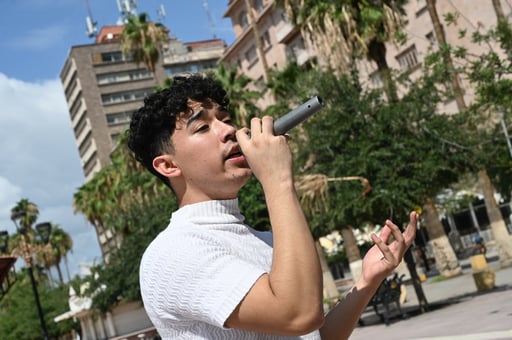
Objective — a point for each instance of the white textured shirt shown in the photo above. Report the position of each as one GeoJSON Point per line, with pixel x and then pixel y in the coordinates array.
{"type": "Point", "coordinates": [196, 271]}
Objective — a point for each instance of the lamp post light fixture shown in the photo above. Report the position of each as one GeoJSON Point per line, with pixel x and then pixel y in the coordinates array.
{"type": "Point", "coordinates": [4, 238]}
{"type": "Point", "coordinates": [27, 256]}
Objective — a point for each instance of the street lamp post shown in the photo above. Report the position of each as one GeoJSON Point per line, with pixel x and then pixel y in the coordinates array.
{"type": "Point", "coordinates": [27, 255]}
{"type": "Point", "coordinates": [4, 237]}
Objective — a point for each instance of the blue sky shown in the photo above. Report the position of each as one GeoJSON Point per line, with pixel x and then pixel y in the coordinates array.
{"type": "Point", "coordinates": [38, 158]}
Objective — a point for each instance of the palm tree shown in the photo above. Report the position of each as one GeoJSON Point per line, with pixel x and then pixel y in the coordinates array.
{"type": "Point", "coordinates": [241, 100]}
{"type": "Point", "coordinates": [349, 29]}
{"type": "Point", "coordinates": [59, 245]}
{"type": "Point", "coordinates": [114, 190]}
{"type": "Point", "coordinates": [26, 213]}
{"type": "Point", "coordinates": [141, 39]}
{"type": "Point", "coordinates": [257, 38]}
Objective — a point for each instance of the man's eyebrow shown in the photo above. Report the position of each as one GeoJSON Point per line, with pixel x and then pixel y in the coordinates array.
{"type": "Point", "coordinates": [195, 116]}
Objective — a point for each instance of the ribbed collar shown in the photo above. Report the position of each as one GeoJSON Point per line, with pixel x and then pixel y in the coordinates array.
{"type": "Point", "coordinates": [218, 211]}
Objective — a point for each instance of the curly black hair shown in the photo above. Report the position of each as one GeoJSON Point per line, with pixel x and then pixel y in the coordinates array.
{"type": "Point", "coordinates": [152, 126]}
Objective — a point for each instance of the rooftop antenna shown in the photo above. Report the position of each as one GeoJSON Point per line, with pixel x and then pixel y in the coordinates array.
{"type": "Point", "coordinates": [161, 13]}
{"type": "Point", "coordinates": [90, 24]}
{"type": "Point", "coordinates": [127, 8]}
{"type": "Point", "coordinates": [210, 19]}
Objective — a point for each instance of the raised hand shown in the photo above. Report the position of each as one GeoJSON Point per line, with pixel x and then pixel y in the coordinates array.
{"type": "Point", "coordinates": [389, 249]}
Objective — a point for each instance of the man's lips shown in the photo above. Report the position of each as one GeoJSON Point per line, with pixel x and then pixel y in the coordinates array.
{"type": "Point", "coordinates": [234, 153]}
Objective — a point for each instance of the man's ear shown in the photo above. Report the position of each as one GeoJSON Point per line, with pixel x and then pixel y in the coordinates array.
{"type": "Point", "coordinates": [164, 164]}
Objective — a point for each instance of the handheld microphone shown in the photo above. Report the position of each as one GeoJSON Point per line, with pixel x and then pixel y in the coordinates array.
{"type": "Point", "coordinates": [297, 115]}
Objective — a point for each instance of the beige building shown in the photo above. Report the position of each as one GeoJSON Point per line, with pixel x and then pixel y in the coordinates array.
{"type": "Point", "coordinates": [263, 36]}
{"type": "Point", "coordinates": [282, 42]}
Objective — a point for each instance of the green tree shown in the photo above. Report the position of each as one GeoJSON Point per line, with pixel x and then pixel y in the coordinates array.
{"type": "Point", "coordinates": [141, 39]}
{"type": "Point", "coordinates": [490, 74]}
{"type": "Point", "coordinates": [52, 253]}
{"type": "Point", "coordinates": [18, 313]}
{"type": "Point", "coordinates": [26, 213]}
{"type": "Point", "coordinates": [118, 280]}
{"type": "Point", "coordinates": [116, 189]}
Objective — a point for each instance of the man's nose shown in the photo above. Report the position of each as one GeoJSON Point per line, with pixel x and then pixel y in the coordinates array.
{"type": "Point", "coordinates": [226, 131]}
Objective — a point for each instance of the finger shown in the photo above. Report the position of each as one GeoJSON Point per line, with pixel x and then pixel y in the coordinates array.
{"type": "Point", "coordinates": [387, 254]}
{"type": "Point", "coordinates": [384, 235]}
{"type": "Point", "coordinates": [410, 231]}
{"type": "Point", "coordinates": [243, 134]}
{"type": "Point", "coordinates": [255, 126]}
{"type": "Point", "coordinates": [395, 231]}
{"type": "Point", "coordinates": [267, 125]}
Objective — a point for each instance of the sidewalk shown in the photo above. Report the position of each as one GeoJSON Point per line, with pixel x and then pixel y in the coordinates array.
{"type": "Point", "coordinates": [457, 311]}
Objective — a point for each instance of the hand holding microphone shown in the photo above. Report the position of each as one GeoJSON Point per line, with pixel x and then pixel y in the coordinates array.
{"type": "Point", "coordinates": [293, 118]}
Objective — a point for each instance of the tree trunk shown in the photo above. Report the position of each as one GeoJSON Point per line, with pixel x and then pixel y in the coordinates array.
{"type": "Point", "coordinates": [499, 10]}
{"type": "Point", "coordinates": [257, 38]}
{"type": "Point", "coordinates": [446, 261]}
{"type": "Point", "coordinates": [441, 38]}
{"type": "Point", "coordinates": [59, 272]}
{"type": "Point", "coordinates": [377, 53]}
{"type": "Point", "coordinates": [498, 227]}
{"type": "Point", "coordinates": [330, 290]}
{"type": "Point", "coordinates": [353, 254]}
{"type": "Point", "coordinates": [416, 283]}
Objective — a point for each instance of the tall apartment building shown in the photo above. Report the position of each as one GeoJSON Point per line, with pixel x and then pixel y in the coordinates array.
{"type": "Point", "coordinates": [103, 88]}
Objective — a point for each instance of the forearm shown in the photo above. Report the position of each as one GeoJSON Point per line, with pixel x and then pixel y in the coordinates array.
{"type": "Point", "coordinates": [295, 276]}
{"type": "Point", "coordinates": [341, 320]}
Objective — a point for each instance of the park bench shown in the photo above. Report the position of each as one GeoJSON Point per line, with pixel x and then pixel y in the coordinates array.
{"type": "Point", "coordinates": [385, 303]}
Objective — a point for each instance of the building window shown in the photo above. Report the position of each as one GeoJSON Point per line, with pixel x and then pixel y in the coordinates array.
{"type": "Point", "coordinates": [122, 97]}
{"type": "Point", "coordinates": [119, 117]}
{"type": "Point", "coordinates": [266, 40]}
{"type": "Point", "coordinates": [112, 57]}
{"type": "Point", "coordinates": [408, 58]}
{"type": "Point", "coordinates": [251, 55]}
{"type": "Point", "coordinates": [181, 69]}
{"type": "Point", "coordinates": [75, 107]}
{"type": "Point", "coordinates": [90, 164]}
{"type": "Point", "coordinates": [421, 7]}
{"type": "Point", "coordinates": [85, 145]}
{"type": "Point", "coordinates": [242, 19]}
{"type": "Point", "coordinates": [431, 37]}
{"type": "Point", "coordinates": [82, 123]}
{"type": "Point", "coordinates": [376, 80]}
{"type": "Point", "coordinates": [111, 78]}
{"type": "Point", "coordinates": [72, 85]}
{"type": "Point", "coordinates": [258, 5]}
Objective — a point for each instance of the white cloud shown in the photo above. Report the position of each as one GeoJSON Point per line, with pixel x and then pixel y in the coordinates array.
{"type": "Point", "coordinates": [39, 160]}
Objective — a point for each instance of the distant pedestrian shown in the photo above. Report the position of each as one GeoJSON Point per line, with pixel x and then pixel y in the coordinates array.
{"type": "Point", "coordinates": [480, 244]}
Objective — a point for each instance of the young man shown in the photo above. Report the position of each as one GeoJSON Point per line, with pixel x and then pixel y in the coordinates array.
{"type": "Point", "coordinates": [210, 276]}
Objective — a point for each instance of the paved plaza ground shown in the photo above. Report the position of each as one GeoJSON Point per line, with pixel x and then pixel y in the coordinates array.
{"type": "Point", "coordinates": [457, 311]}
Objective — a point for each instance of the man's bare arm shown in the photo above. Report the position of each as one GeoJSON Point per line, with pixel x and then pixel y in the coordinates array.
{"type": "Point", "coordinates": [288, 300]}
{"type": "Point", "coordinates": [378, 263]}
